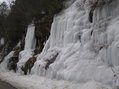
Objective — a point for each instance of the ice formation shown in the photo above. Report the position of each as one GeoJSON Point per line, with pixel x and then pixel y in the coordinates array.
{"type": "Point", "coordinates": [30, 43]}
{"type": "Point", "coordinates": [30, 38]}
{"type": "Point", "coordinates": [3, 65]}
{"type": "Point", "coordinates": [80, 51]}
{"type": "Point", "coordinates": [86, 51]}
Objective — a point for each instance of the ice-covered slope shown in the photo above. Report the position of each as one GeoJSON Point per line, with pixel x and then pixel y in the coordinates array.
{"type": "Point", "coordinates": [86, 51]}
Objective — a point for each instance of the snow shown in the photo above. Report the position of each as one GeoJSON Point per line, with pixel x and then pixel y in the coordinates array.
{"type": "Point", "coordinates": [36, 82]}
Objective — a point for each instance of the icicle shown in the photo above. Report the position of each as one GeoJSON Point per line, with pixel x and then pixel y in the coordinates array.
{"type": "Point", "coordinates": [30, 41]}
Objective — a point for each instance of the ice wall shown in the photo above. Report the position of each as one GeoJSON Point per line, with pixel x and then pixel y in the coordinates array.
{"type": "Point", "coordinates": [87, 51]}
{"type": "Point", "coordinates": [106, 32]}
{"type": "Point", "coordinates": [30, 41]}
{"type": "Point", "coordinates": [4, 64]}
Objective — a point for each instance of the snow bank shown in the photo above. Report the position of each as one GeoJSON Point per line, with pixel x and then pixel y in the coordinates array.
{"type": "Point", "coordinates": [36, 82]}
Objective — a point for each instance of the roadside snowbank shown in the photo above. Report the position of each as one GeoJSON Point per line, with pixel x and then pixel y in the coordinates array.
{"type": "Point", "coordinates": [36, 82]}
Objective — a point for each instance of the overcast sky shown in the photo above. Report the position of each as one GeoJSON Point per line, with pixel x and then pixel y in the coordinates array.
{"type": "Point", "coordinates": [7, 1]}
{"type": "Point", "coordinates": [2, 0]}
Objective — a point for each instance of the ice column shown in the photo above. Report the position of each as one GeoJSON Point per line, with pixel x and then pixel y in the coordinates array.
{"type": "Point", "coordinates": [30, 41]}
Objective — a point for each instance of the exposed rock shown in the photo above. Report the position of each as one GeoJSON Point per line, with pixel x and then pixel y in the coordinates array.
{"type": "Point", "coordinates": [95, 4]}
{"type": "Point", "coordinates": [37, 51]}
{"type": "Point", "coordinates": [28, 65]}
{"type": "Point", "coordinates": [16, 48]}
{"type": "Point", "coordinates": [12, 64]}
{"type": "Point", "coordinates": [48, 62]}
{"type": "Point", "coordinates": [22, 43]}
{"type": "Point", "coordinates": [3, 53]}
{"type": "Point", "coordinates": [42, 31]}
{"type": "Point", "coordinates": [92, 10]}
{"type": "Point", "coordinates": [91, 16]}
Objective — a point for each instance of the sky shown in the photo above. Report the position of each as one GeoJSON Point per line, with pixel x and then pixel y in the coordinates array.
{"type": "Point", "coordinates": [7, 1]}
{"type": "Point", "coordinates": [2, 0]}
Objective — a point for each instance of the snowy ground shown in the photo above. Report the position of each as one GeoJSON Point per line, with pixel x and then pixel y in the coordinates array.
{"type": "Point", "coordinates": [36, 82]}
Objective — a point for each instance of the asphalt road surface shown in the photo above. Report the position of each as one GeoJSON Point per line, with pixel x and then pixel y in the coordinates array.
{"type": "Point", "coordinates": [4, 85]}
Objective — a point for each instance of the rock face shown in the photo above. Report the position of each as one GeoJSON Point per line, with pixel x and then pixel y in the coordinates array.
{"type": "Point", "coordinates": [28, 65]}
{"type": "Point", "coordinates": [48, 62]}
{"type": "Point", "coordinates": [42, 31]}
{"type": "Point", "coordinates": [12, 64]}
{"type": "Point", "coordinates": [4, 52]}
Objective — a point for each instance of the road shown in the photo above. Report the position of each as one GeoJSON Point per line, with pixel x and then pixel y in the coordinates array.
{"type": "Point", "coordinates": [4, 85]}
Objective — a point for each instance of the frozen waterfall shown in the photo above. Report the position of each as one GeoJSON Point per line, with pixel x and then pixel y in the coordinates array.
{"type": "Point", "coordinates": [30, 41]}
{"type": "Point", "coordinates": [86, 51]}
